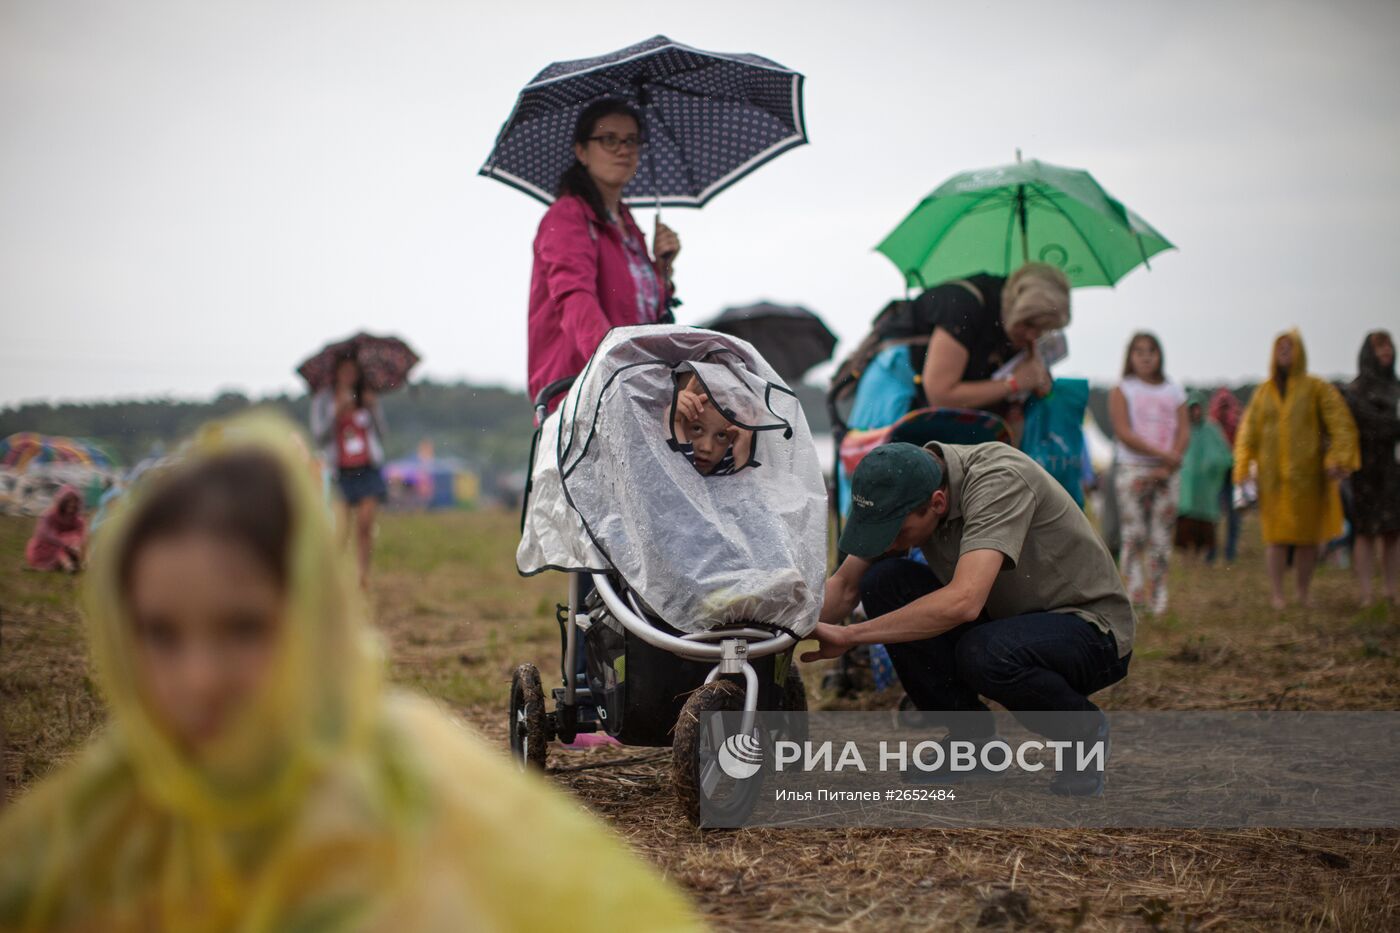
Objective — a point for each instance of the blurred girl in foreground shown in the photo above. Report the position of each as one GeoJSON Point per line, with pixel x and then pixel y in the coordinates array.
{"type": "Point", "coordinates": [256, 774]}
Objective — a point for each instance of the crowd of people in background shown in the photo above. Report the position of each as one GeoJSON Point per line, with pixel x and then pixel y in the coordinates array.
{"type": "Point", "coordinates": [1321, 462]}
{"type": "Point", "coordinates": [1317, 459]}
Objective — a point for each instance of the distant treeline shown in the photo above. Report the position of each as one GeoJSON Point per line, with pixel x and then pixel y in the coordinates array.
{"type": "Point", "coordinates": [487, 427]}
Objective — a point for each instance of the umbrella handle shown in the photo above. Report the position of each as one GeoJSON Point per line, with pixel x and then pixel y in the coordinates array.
{"type": "Point", "coordinates": [1021, 216]}
{"type": "Point", "coordinates": [655, 187]}
{"type": "Point", "coordinates": [644, 98]}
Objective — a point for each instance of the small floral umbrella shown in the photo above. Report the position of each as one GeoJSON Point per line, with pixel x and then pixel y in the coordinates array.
{"type": "Point", "coordinates": [385, 362]}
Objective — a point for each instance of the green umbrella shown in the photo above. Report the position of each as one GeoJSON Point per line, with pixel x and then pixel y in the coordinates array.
{"type": "Point", "coordinates": [995, 219]}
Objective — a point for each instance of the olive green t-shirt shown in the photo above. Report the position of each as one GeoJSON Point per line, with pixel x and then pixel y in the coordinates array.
{"type": "Point", "coordinates": [1001, 500]}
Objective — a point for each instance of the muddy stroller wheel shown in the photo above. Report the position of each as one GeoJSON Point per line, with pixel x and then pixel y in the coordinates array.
{"type": "Point", "coordinates": [851, 675]}
{"type": "Point", "coordinates": [529, 726]}
{"type": "Point", "coordinates": [795, 703]}
{"type": "Point", "coordinates": [695, 768]}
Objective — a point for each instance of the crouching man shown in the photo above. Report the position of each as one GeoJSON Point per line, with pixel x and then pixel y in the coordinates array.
{"type": "Point", "coordinates": [1020, 601]}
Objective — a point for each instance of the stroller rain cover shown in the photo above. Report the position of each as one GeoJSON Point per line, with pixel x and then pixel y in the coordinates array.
{"type": "Point", "coordinates": [610, 491]}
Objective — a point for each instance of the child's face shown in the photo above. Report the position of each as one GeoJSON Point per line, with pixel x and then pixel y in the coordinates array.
{"type": "Point", "coordinates": [1145, 358]}
{"type": "Point", "coordinates": [208, 616]}
{"type": "Point", "coordinates": [347, 373]}
{"type": "Point", "coordinates": [711, 436]}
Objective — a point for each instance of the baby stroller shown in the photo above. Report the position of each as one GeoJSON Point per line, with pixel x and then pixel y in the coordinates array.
{"type": "Point", "coordinates": [687, 592]}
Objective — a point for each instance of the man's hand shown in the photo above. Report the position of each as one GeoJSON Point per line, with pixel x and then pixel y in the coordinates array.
{"type": "Point", "coordinates": [834, 642]}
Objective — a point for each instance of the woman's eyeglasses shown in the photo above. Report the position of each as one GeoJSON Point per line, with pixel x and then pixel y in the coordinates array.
{"type": "Point", "coordinates": [614, 143]}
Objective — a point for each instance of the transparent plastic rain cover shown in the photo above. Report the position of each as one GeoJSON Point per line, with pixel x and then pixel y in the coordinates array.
{"type": "Point", "coordinates": [612, 489]}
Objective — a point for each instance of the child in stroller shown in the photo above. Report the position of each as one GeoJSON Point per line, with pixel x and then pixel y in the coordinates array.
{"type": "Point", "coordinates": [699, 587]}
{"type": "Point", "coordinates": [712, 443]}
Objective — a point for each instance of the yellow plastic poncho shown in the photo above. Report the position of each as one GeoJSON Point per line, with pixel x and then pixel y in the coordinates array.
{"type": "Point", "coordinates": [1294, 438]}
{"type": "Point", "coordinates": [332, 804]}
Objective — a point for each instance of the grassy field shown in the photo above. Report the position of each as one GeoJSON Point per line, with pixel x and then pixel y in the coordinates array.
{"type": "Point", "coordinates": [458, 619]}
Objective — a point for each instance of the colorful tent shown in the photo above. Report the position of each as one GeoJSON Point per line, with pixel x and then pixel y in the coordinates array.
{"type": "Point", "coordinates": [430, 483]}
{"type": "Point", "coordinates": [20, 450]}
{"type": "Point", "coordinates": [29, 491]}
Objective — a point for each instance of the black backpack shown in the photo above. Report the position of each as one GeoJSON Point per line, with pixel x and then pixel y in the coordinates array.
{"type": "Point", "coordinates": [908, 323]}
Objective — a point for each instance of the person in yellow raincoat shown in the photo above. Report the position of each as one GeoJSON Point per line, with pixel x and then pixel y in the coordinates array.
{"type": "Point", "coordinates": [256, 774]}
{"type": "Point", "coordinates": [1299, 436]}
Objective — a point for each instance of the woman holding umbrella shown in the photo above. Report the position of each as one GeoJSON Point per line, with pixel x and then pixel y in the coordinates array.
{"type": "Point", "coordinates": [706, 119]}
{"type": "Point", "coordinates": [348, 425]}
{"type": "Point", "coordinates": [591, 269]}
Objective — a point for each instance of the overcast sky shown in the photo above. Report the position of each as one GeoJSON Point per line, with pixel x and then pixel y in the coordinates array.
{"type": "Point", "coordinates": [193, 196]}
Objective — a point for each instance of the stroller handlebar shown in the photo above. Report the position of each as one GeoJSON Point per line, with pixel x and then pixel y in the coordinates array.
{"type": "Point", "coordinates": [544, 396]}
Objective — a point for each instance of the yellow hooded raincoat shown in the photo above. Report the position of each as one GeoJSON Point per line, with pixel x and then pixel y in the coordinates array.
{"type": "Point", "coordinates": [333, 804]}
{"type": "Point", "coordinates": [1294, 438]}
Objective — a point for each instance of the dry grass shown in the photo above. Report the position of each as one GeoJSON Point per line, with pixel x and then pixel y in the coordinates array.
{"type": "Point", "coordinates": [458, 619]}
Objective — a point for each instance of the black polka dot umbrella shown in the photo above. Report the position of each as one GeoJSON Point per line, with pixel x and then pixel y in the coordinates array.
{"type": "Point", "coordinates": [710, 119]}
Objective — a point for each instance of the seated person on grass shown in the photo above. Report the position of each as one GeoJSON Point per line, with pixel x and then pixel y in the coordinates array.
{"type": "Point", "coordinates": [60, 536]}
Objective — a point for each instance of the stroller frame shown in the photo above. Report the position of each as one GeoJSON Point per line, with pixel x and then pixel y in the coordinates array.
{"type": "Point", "coordinates": [732, 653]}
{"type": "Point", "coordinates": [729, 650]}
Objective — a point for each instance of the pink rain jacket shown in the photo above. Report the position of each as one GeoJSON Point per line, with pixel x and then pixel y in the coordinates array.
{"type": "Point", "coordinates": [580, 289]}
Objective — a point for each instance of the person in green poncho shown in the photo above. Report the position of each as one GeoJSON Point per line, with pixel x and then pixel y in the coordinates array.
{"type": "Point", "coordinates": [1204, 466]}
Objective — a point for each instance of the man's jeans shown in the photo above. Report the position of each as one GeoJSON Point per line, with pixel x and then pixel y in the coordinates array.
{"type": "Point", "coordinates": [1043, 661]}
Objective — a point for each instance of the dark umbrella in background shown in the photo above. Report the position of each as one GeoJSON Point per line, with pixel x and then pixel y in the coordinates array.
{"type": "Point", "coordinates": [385, 362]}
{"type": "Point", "coordinates": [791, 338]}
{"type": "Point", "coordinates": [710, 119]}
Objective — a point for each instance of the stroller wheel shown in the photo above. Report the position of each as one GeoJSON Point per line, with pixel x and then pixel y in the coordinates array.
{"type": "Point", "coordinates": [794, 719]}
{"type": "Point", "coordinates": [794, 691]}
{"type": "Point", "coordinates": [695, 767]}
{"type": "Point", "coordinates": [529, 733]}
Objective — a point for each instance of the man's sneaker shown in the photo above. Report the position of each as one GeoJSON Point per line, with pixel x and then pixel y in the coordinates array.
{"type": "Point", "coordinates": [946, 774]}
{"type": "Point", "coordinates": [1073, 782]}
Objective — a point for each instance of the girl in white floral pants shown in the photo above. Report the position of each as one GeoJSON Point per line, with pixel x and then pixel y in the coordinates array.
{"type": "Point", "coordinates": [1150, 431]}
{"type": "Point", "coordinates": [1147, 498]}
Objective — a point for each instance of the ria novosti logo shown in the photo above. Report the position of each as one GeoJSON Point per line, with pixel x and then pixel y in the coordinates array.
{"type": "Point", "coordinates": [741, 756]}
